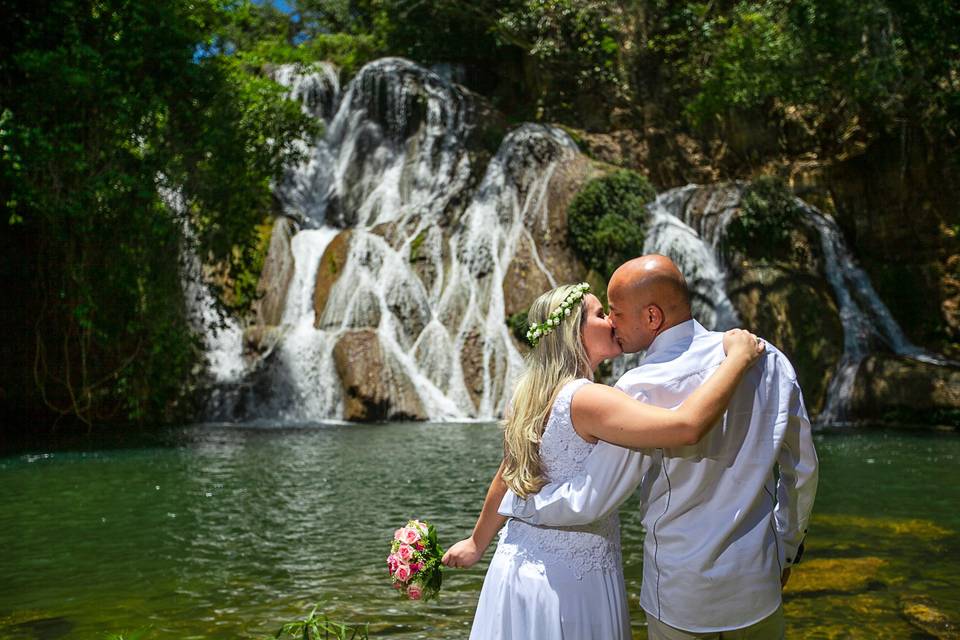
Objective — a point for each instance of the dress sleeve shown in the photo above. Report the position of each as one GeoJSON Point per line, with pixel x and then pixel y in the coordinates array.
{"type": "Point", "coordinates": [611, 474]}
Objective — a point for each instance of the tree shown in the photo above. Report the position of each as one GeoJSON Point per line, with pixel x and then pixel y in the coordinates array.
{"type": "Point", "coordinates": [105, 104]}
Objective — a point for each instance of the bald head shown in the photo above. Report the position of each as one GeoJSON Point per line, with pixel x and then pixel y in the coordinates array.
{"type": "Point", "coordinates": [648, 295]}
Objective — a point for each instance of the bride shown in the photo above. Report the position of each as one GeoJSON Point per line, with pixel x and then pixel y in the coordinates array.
{"type": "Point", "coordinates": [568, 582]}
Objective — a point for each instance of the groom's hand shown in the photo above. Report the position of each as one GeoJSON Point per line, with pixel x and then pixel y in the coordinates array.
{"type": "Point", "coordinates": [463, 554]}
{"type": "Point", "coordinates": [784, 576]}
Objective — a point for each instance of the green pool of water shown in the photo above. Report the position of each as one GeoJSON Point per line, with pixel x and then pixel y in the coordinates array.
{"type": "Point", "coordinates": [226, 532]}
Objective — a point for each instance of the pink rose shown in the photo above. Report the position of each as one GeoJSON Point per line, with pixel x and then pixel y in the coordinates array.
{"type": "Point", "coordinates": [405, 552]}
{"type": "Point", "coordinates": [402, 573]}
{"type": "Point", "coordinates": [409, 535]}
{"type": "Point", "coordinates": [398, 534]}
{"type": "Point", "coordinates": [415, 592]}
{"type": "Point", "coordinates": [416, 566]}
{"type": "Point", "coordinates": [392, 562]}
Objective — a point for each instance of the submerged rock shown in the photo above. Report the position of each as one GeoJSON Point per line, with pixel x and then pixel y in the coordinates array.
{"type": "Point", "coordinates": [923, 613]}
{"type": "Point", "coordinates": [375, 385]}
{"type": "Point", "coordinates": [835, 575]}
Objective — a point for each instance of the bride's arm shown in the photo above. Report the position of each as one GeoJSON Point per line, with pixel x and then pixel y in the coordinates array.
{"type": "Point", "coordinates": [605, 413]}
{"type": "Point", "coordinates": [468, 552]}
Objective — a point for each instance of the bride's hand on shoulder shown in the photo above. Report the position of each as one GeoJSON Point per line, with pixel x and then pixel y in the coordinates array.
{"type": "Point", "coordinates": [742, 343]}
{"type": "Point", "coordinates": [463, 554]}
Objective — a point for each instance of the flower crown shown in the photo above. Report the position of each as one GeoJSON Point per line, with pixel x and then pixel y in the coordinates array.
{"type": "Point", "coordinates": [537, 331]}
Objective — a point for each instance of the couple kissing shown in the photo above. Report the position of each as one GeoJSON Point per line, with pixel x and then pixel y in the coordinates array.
{"type": "Point", "coordinates": [710, 429]}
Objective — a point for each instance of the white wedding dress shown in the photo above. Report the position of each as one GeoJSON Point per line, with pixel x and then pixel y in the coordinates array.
{"type": "Point", "coordinates": [552, 583]}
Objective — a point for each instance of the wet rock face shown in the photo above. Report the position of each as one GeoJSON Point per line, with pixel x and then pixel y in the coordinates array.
{"type": "Point", "coordinates": [276, 274]}
{"type": "Point", "coordinates": [905, 391]}
{"type": "Point", "coordinates": [789, 302]}
{"type": "Point", "coordinates": [899, 198]}
{"type": "Point", "coordinates": [471, 361]}
{"type": "Point", "coordinates": [332, 264]}
{"type": "Point", "coordinates": [375, 386]}
{"type": "Point", "coordinates": [545, 249]}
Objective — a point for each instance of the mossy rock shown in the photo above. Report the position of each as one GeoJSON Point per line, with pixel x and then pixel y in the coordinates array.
{"type": "Point", "coordinates": [893, 389]}
{"type": "Point", "coordinates": [768, 214]}
{"type": "Point", "coordinates": [922, 612]}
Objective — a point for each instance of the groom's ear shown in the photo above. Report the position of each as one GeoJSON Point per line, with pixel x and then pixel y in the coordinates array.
{"type": "Point", "coordinates": [653, 317]}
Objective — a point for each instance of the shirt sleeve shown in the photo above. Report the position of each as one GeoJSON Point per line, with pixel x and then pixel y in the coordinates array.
{"type": "Point", "coordinates": [611, 473]}
{"type": "Point", "coordinates": [797, 484]}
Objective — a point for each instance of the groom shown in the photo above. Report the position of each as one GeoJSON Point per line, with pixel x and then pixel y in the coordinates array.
{"type": "Point", "coordinates": [722, 527]}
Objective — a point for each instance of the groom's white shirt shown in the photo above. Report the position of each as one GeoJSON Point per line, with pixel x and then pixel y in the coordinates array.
{"type": "Point", "coordinates": [716, 539]}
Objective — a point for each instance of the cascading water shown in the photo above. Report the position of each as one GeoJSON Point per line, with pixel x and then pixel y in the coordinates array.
{"type": "Point", "coordinates": [421, 247]}
{"type": "Point", "coordinates": [427, 254]}
{"type": "Point", "coordinates": [867, 323]}
{"type": "Point", "coordinates": [221, 334]}
{"type": "Point", "coordinates": [866, 320]}
{"type": "Point", "coordinates": [694, 246]}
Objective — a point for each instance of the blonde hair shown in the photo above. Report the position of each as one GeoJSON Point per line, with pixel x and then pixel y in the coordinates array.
{"type": "Point", "coordinates": [557, 359]}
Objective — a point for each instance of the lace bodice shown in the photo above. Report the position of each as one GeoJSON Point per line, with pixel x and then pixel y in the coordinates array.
{"type": "Point", "coordinates": [591, 547]}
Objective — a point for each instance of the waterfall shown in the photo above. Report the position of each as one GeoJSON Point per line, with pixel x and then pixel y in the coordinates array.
{"type": "Point", "coordinates": [693, 243]}
{"type": "Point", "coordinates": [691, 234]}
{"type": "Point", "coordinates": [221, 334]}
{"type": "Point", "coordinates": [416, 242]}
{"type": "Point", "coordinates": [428, 247]}
{"type": "Point", "coordinates": [867, 323]}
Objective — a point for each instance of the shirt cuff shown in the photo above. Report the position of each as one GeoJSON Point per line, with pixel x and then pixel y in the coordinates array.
{"type": "Point", "coordinates": [793, 555]}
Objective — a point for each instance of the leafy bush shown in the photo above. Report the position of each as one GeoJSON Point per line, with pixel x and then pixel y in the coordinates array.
{"type": "Point", "coordinates": [767, 215]}
{"type": "Point", "coordinates": [606, 220]}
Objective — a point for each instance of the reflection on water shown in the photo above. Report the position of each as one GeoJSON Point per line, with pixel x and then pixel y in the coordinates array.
{"type": "Point", "coordinates": [227, 531]}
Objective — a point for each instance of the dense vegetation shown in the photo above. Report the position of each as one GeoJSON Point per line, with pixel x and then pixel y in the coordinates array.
{"type": "Point", "coordinates": [762, 225]}
{"type": "Point", "coordinates": [605, 220]}
{"type": "Point", "coordinates": [106, 105]}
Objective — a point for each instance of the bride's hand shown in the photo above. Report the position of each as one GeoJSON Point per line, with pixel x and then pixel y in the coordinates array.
{"type": "Point", "coordinates": [463, 554]}
{"type": "Point", "coordinates": [742, 343]}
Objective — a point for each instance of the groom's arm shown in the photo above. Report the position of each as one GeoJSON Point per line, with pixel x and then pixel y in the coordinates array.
{"type": "Point", "coordinates": [610, 475]}
{"type": "Point", "coordinates": [797, 484]}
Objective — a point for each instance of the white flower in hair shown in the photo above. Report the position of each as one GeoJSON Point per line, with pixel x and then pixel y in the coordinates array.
{"type": "Point", "coordinates": [537, 331]}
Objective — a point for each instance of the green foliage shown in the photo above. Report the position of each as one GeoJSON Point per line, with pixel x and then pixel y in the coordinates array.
{"type": "Point", "coordinates": [104, 106]}
{"type": "Point", "coordinates": [415, 245]}
{"type": "Point", "coordinates": [518, 325]}
{"type": "Point", "coordinates": [243, 268]}
{"type": "Point", "coordinates": [320, 627]}
{"type": "Point", "coordinates": [133, 635]}
{"type": "Point", "coordinates": [576, 45]}
{"type": "Point", "coordinates": [767, 215]}
{"type": "Point", "coordinates": [845, 71]}
{"type": "Point", "coordinates": [606, 220]}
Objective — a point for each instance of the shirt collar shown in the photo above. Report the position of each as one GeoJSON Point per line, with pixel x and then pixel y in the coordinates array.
{"type": "Point", "coordinates": [681, 334]}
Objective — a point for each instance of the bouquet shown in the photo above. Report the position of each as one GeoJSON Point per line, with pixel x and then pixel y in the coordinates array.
{"type": "Point", "coordinates": [414, 561]}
